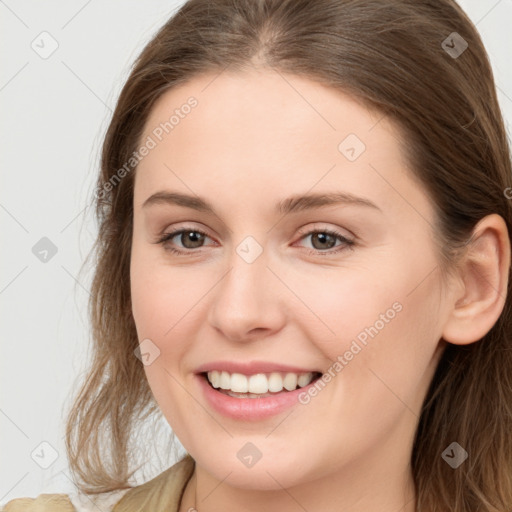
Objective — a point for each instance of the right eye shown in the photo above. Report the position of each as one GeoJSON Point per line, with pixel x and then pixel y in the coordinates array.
{"type": "Point", "coordinates": [187, 235]}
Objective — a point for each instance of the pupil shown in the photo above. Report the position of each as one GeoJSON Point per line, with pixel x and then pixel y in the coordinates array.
{"type": "Point", "coordinates": [323, 237]}
{"type": "Point", "coordinates": [194, 235]}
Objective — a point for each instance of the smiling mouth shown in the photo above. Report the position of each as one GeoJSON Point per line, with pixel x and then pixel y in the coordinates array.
{"type": "Point", "coordinates": [291, 383]}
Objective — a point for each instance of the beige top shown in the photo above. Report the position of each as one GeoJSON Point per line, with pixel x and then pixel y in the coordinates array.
{"type": "Point", "coordinates": [161, 494]}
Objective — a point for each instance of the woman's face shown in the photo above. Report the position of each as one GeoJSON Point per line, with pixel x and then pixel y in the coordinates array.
{"type": "Point", "coordinates": [276, 267]}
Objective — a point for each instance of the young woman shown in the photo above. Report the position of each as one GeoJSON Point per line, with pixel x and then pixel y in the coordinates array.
{"type": "Point", "coordinates": [303, 265]}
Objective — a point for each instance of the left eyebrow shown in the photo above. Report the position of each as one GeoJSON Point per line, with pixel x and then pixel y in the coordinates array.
{"type": "Point", "coordinates": [291, 204]}
{"type": "Point", "coordinates": [300, 203]}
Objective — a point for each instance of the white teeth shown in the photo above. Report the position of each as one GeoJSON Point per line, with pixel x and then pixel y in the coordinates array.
{"type": "Point", "coordinates": [303, 380]}
{"type": "Point", "coordinates": [223, 381]}
{"type": "Point", "coordinates": [290, 381]}
{"type": "Point", "coordinates": [257, 383]}
{"type": "Point", "coordinates": [275, 382]}
{"type": "Point", "coordinates": [260, 383]}
{"type": "Point", "coordinates": [239, 383]}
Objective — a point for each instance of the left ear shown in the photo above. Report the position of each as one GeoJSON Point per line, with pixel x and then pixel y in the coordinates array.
{"type": "Point", "coordinates": [484, 272]}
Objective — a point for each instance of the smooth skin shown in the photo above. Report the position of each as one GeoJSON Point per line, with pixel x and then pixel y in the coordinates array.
{"type": "Point", "coordinates": [254, 139]}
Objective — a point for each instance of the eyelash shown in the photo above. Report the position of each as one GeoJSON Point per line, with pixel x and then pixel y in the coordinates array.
{"type": "Point", "coordinates": [348, 244]}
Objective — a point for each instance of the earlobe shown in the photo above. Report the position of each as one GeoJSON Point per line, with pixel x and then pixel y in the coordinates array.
{"type": "Point", "coordinates": [484, 272]}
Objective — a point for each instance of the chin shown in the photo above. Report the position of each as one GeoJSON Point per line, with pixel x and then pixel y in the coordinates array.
{"type": "Point", "coordinates": [262, 476]}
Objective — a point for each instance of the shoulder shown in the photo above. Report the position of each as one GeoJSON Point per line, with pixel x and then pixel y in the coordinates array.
{"type": "Point", "coordinates": [161, 494]}
{"type": "Point", "coordinates": [43, 503]}
{"type": "Point", "coordinates": [65, 503]}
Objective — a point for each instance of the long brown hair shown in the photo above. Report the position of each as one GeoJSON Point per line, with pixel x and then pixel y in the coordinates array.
{"type": "Point", "coordinates": [390, 55]}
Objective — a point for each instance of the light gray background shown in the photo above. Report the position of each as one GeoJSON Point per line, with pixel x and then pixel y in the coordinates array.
{"type": "Point", "coordinates": [54, 114]}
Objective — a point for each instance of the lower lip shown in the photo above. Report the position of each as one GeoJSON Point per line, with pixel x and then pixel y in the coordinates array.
{"type": "Point", "coordinates": [250, 409]}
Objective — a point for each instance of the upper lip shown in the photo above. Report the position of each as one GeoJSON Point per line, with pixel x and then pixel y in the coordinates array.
{"type": "Point", "coordinates": [251, 368]}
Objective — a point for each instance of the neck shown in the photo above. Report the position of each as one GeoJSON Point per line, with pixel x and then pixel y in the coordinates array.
{"type": "Point", "coordinates": [346, 491]}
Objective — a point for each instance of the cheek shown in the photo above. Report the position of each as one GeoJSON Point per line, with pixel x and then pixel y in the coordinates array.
{"type": "Point", "coordinates": [338, 306]}
{"type": "Point", "coordinates": [374, 326]}
{"type": "Point", "coordinates": [161, 308]}
{"type": "Point", "coordinates": [168, 305]}
{"type": "Point", "coordinates": [381, 355]}
{"type": "Point", "coordinates": [158, 294]}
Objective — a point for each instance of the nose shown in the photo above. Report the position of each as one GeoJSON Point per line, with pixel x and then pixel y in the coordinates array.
{"type": "Point", "coordinates": [248, 301]}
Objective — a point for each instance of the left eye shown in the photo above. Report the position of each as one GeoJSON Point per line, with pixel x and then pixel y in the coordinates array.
{"type": "Point", "coordinates": [192, 238]}
{"type": "Point", "coordinates": [325, 237]}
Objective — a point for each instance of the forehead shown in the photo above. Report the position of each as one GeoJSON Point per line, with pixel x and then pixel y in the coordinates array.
{"type": "Point", "coordinates": [265, 132]}
{"type": "Point", "coordinates": [265, 104]}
